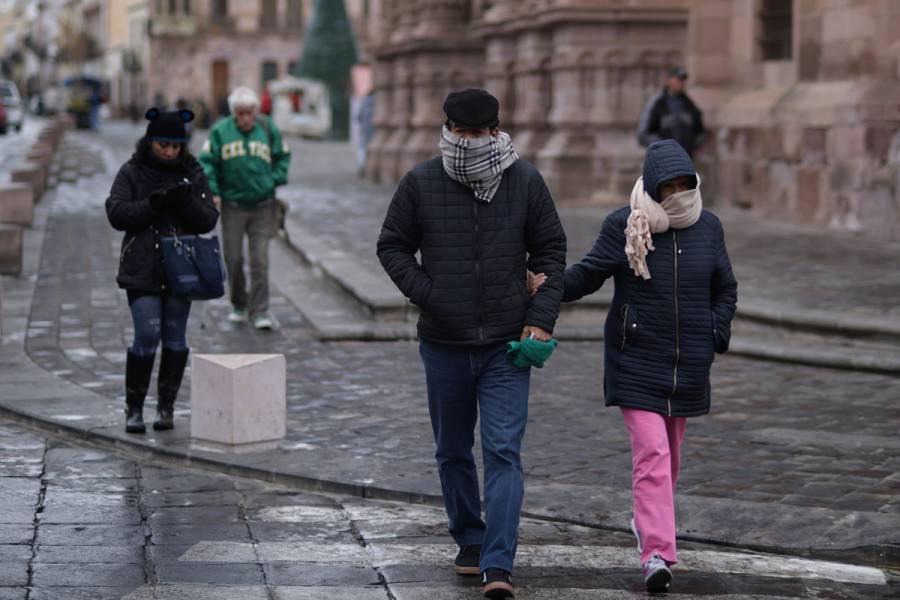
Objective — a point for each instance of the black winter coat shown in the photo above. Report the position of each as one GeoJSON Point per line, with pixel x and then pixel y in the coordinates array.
{"type": "Point", "coordinates": [657, 122]}
{"type": "Point", "coordinates": [470, 286]}
{"type": "Point", "coordinates": [129, 210]}
{"type": "Point", "coordinates": [660, 334]}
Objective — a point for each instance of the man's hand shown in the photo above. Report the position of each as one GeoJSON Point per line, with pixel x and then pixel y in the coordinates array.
{"type": "Point", "coordinates": [534, 281]}
{"type": "Point", "coordinates": [217, 202]}
{"type": "Point", "coordinates": [538, 333]}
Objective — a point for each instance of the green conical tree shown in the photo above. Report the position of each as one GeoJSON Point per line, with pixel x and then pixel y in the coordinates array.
{"type": "Point", "coordinates": [329, 51]}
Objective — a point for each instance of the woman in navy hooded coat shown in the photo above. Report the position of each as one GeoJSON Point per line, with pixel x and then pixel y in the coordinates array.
{"type": "Point", "coordinates": [675, 297]}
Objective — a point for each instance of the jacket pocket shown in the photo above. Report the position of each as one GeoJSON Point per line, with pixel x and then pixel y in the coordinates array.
{"type": "Point", "coordinates": [629, 330]}
{"type": "Point", "coordinates": [126, 260]}
{"type": "Point", "coordinates": [721, 336]}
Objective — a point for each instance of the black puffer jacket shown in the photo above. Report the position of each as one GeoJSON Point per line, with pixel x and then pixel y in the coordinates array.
{"type": "Point", "coordinates": [128, 210]}
{"type": "Point", "coordinates": [661, 333]}
{"type": "Point", "coordinates": [470, 286]}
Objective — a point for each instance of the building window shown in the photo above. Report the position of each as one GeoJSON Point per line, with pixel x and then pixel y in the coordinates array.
{"type": "Point", "coordinates": [187, 7]}
{"type": "Point", "coordinates": [295, 14]}
{"type": "Point", "coordinates": [269, 72]}
{"type": "Point", "coordinates": [219, 10]}
{"type": "Point", "coordinates": [292, 67]}
{"type": "Point", "coordinates": [173, 7]}
{"type": "Point", "coordinates": [776, 27]}
{"type": "Point", "coordinates": [268, 14]}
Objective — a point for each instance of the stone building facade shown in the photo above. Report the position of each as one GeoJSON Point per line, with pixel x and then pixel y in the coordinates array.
{"type": "Point", "coordinates": [201, 49]}
{"type": "Point", "coordinates": [801, 97]}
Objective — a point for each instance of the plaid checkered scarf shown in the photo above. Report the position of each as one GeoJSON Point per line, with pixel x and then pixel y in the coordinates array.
{"type": "Point", "coordinates": [477, 163]}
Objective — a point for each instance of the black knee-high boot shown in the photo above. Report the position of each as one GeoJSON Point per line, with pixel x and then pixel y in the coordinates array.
{"type": "Point", "coordinates": [138, 370]}
{"type": "Point", "coordinates": [171, 370]}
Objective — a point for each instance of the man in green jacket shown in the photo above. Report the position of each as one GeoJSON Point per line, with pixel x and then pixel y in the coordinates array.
{"type": "Point", "coordinates": [245, 159]}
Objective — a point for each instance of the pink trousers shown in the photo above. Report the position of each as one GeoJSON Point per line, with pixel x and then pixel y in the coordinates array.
{"type": "Point", "coordinates": [655, 461]}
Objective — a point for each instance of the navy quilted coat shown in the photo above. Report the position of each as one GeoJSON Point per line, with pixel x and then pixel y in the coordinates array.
{"type": "Point", "coordinates": [470, 285]}
{"type": "Point", "coordinates": [661, 334]}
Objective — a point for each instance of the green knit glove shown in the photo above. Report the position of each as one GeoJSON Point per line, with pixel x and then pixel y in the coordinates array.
{"type": "Point", "coordinates": [530, 352]}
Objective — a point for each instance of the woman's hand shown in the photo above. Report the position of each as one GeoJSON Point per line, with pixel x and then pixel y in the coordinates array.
{"type": "Point", "coordinates": [534, 281]}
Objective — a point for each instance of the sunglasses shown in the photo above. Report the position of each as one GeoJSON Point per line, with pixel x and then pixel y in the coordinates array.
{"type": "Point", "coordinates": [166, 145]}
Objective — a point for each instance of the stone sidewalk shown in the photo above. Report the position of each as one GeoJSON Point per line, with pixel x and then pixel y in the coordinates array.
{"type": "Point", "coordinates": [793, 459]}
{"type": "Point", "coordinates": [80, 522]}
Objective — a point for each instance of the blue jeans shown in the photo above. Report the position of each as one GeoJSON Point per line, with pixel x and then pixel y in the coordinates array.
{"type": "Point", "coordinates": [461, 382]}
{"type": "Point", "coordinates": [159, 318]}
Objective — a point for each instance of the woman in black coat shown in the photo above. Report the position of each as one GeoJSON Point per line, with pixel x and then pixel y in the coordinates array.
{"type": "Point", "coordinates": [161, 190]}
{"type": "Point", "coordinates": [675, 297]}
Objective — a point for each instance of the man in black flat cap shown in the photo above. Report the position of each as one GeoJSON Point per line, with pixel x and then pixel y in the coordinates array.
{"type": "Point", "coordinates": [480, 217]}
{"type": "Point", "coordinates": [672, 115]}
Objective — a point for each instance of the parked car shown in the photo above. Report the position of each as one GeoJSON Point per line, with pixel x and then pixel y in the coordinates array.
{"type": "Point", "coordinates": [12, 101]}
{"type": "Point", "coordinates": [2, 120]}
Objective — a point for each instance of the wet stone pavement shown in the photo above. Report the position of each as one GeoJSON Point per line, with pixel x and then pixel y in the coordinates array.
{"type": "Point", "coordinates": [792, 457]}
{"type": "Point", "coordinates": [81, 523]}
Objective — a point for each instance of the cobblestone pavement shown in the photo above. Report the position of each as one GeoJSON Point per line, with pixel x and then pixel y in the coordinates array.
{"type": "Point", "coordinates": [80, 522]}
{"type": "Point", "coordinates": [796, 458]}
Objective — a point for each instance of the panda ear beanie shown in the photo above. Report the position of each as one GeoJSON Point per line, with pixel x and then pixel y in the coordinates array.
{"type": "Point", "coordinates": [168, 126]}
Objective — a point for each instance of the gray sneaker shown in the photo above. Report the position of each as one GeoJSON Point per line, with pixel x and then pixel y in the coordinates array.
{"type": "Point", "coordinates": [657, 575]}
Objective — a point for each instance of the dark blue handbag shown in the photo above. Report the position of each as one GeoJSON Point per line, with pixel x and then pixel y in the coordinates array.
{"type": "Point", "coordinates": [194, 266]}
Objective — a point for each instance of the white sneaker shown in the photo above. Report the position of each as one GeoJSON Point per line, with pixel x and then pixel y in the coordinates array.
{"type": "Point", "coordinates": [237, 316]}
{"type": "Point", "coordinates": [637, 535]}
{"type": "Point", "coordinates": [657, 575]}
{"type": "Point", "coordinates": [263, 322]}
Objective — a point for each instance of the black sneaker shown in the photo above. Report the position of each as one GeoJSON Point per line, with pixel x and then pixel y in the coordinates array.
{"type": "Point", "coordinates": [657, 575]}
{"type": "Point", "coordinates": [467, 558]}
{"type": "Point", "coordinates": [497, 584]}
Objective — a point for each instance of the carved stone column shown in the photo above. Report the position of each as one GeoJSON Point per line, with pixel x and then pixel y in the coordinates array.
{"type": "Point", "coordinates": [437, 73]}
{"type": "Point", "coordinates": [499, 76]}
{"type": "Point", "coordinates": [382, 120]}
{"type": "Point", "coordinates": [401, 21]}
{"type": "Point", "coordinates": [389, 164]}
{"type": "Point", "coordinates": [437, 55]}
{"type": "Point", "coordinates": [566, 160]}
{"type": "Point", "coordinates": [440, 19]}
{"type": "Point", "coordinates": [532, 84]}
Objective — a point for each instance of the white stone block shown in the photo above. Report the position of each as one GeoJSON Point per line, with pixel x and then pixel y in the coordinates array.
{"type": "Point", "coordinates": [238, 398]}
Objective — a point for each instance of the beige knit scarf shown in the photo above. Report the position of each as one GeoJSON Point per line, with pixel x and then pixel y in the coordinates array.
{"type": "Point", "coordinates": [648, 216]}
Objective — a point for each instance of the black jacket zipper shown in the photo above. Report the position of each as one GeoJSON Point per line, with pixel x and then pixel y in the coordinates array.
{"type": "Point", "coordinates": [677, 325]}
{"type": "Point", "coordinates": [477, 288]}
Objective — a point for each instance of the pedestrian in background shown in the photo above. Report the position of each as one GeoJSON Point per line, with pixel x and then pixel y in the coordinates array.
{"type": "Point", "coordinates": [672, 115]}
{"type": "Point", "coordinates": [265, 102]}
{"type": "Point", "coordinates": [245, 159]}
{"type": "Point", "coordinates": [675, 296]}
{"type": "Point", "coordinates": [161, 190]}
{"type": "Point", "coordinates": [479, 216]}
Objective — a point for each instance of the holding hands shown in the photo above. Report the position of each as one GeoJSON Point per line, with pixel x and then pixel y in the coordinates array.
{"type": "Point", "coordinates": [534, 281]}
